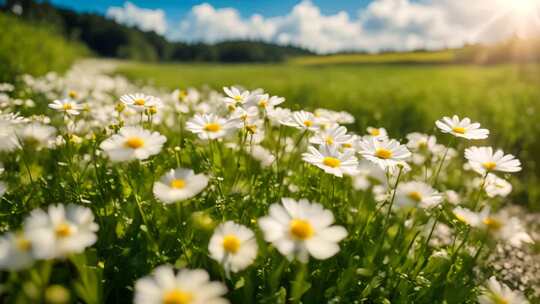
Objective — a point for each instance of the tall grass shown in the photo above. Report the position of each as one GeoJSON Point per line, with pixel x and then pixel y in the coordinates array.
{"type": "Point", "coordinates": [33, 49]}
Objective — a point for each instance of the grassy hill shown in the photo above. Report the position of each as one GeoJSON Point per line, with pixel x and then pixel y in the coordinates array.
{"type": "Point", "coordinates": [34, 49]}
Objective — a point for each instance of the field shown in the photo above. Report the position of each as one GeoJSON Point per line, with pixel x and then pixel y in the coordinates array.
{"type": "Point", "coordinates": [400, 97]}
{"type": "Point", "coordinates": [447, 56]}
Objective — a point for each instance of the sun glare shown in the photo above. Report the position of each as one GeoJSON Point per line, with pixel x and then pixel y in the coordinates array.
{"type": "Point", "coordinates": [520, 7]}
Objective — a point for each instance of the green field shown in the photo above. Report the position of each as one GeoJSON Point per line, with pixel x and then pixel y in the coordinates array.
{"type": "Point", "coordinates": [402, 98]}
{"type": "Point", "coordinates": [446, 56]}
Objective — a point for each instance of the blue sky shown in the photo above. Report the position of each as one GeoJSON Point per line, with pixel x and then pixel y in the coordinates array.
{"type": "Point", "coordinates": [327, 26]}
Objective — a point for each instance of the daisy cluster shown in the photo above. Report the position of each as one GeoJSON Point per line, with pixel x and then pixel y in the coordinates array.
{"type": "Point", "coordinates": [203, 196]}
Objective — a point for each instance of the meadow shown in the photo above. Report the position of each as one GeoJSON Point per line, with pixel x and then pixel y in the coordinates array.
{"type": "Point", "coordinates": [399, 97]}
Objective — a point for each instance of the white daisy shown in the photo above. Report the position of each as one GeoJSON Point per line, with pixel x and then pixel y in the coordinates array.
{"type": "Point", "coordinates": [385, 153]}
{"type": "Point", "coordinates": [482, 159]}
{"type": "Point", "coordinates": [299, 229]}
{"type": "Point", "coordinates": [467, 216]}
{"type": "Point", "coordinates": [209, 126]}
{"type": "Point", "coordinates": [67, 105]}
{"type": "Point", "coordinates": [258, 152]}
{"type": "Point", "coordinates": [133, 142]}
{"type": "Point", "coordinates": [140, 102]}
{"type": "Point", "coordinates": [186, 287]}
{"type": "Point", "coordinates": [329, 159]}
{"type": "Point", "coordinates": [15, 251]}
{"type": "Point", "coordinates": [301, 120]}
{"type": "Point", "coordinates": [265, 102]}
{"type": "Point", "coordinates": [461, 128]}
{"type": "Point", "coordinates": [499, 293]}
{"type": "Point", "coordinates": [61, 230]}
{"type": "Point", "coordinates": [335, 135]}
{"type": "Point", "coordinates": [504, 227]}
{"type": "Point", "coordinates": [412, 194]}
{"type": "Point", "coordinates": [421, 142]}
{"type": "Point", "coordinates": [377, 133]}
{"type": "Point", "coordinates": [233, 245]}
{"type": "Point", "coordinates": [178, 185]}
{"type": "Point", "coordinates": [235, 97]}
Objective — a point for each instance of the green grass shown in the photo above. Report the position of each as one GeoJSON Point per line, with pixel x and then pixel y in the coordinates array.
{"type": "Point", "coordinates": [34, 49]}
{"type": "Point", "coordinates": [446, 56]}
{"type": "Point", "coordinates": [402, 98]}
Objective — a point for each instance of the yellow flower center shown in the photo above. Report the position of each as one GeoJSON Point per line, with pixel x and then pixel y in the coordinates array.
{"type": "Point", "coordinates": [329, 140]}
{"type": "Point", "coordinates": [263, 103]}
{"type": "Point", "coordinates": [237, 98]}
{"type": "Point", "coordinates": [308, 123]}
{"type": "Point", "coordinates": [177, 296]}
{"type": "Point", "coordinates": [72, 94]}
{"type": "Point", "coordinates": [459, 130]}
{"type": "Point", "coordinates": [415, 196]}
{"type": "Point", "coordinates": [383, 153]}
{"type": "Point", "coordinates": [178, 183]}
{"type": "Point", "coordinates": [152, 110]}
{"type": "Point", "coordinates": [492, 223]}
{"type": "Point", "coordinates": [134, 142]}
{"type": "Point", "coordinates": [489, 165]}
{"type": "Point", "coordinates": [231, 243]}
{"type": "Point", "coordinates": [251, 128]}
{"type": "Point", "coordinates": [62, 230]}
{"type": "Point", "coordinates": [375, 132]}
{"type": "Point", "coordinates": [67, 106]}
{"type": "Point", "coordinates": [460, 217]}
{"type": "Point", "coordinates": [182, 95]}
{"type": "Point", "coordinates": [301, 229]}
{"type": "Point", "coordinates": [498, 299]}
{"type": "Point", "coordinates": [139, 102]}
{"type": "Point", "coordinates": [23, 244]}
{"type": "Point", "coordinates": [331, 162]}
{"type": "Point", "coordinates": [212, 127]}
{"type": "Point", "coordinates": [347, 145]}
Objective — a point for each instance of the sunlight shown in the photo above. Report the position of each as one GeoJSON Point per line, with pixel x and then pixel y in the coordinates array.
{"type": "Point", "coordinates": [519, 7]}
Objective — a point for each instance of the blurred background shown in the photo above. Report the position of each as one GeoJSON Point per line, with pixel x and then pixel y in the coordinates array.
{"type": "Point", "coordinates": [398, 64]}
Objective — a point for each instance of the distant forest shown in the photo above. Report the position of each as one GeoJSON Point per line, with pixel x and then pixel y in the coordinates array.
{"type": "Point", "coordinates": [107, 38]}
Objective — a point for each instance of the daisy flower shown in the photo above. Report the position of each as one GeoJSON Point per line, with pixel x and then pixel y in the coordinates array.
{"type": "Point", "coordinates": [377, 133]}
{"type": "Point", "coordinates": [420, 194]}
{"type": "Point", "coordinates": [235, 97]}
{"type": "Point", "coordinates": [60, 231]}
{"type": "Point", "coordinates": [494, 185]}
{"type": "Point", "coordinates": [482, 160]}
{"type": "Point", "coordinates": [421, 142]}
{"type": "Point", "coordinates": [499, 293]}
{"type": "Point", "coordinates": [15, 251]}
{"type": "Point", "coordinates": [187, 286]}
{"type": "Point", "coordinates": [66, 105]}
{"type": "Point", "coordinates": [329, 159]}
{"type": "Point", "coordinates": [299, 229]}
{"type": "Point", "coordinates": [133, 142]}
{"type": "Point", "coordinates": [336, 135]}
{"type": "Point", "coordinates": [461, 128]}
{"type": "Point", "coordinates": [209, 126]}
{"type": "Point", "coordinates": [37, 134]}
{"type": "Point", "coordinates": [301, 120]}
{"type": "Point", "coordinates": [385, 153]}
{"type": "Point", "coordinates": [178, 185]}
{"type": "Point", "coordinates": [265, 102]}
{"type": "Point", "coordinates": [139, 102]}
{"type": "Point", "coordinates": [467, 216]}
{"type": "Point", "coordinates": [233, 245]}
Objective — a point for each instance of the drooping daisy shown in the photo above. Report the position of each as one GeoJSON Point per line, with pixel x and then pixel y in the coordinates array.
{"type": "Point", "coordinates": [411, 194]}
{"type": "Point", "coordinates": [494, 185]}
{"type": "Point", "coordinates": [462, 128]}
{"type": "Point", "coordinates": [36, 134]}
{"type": "Point", "coordinates": [301, 120]}
{"type": "Point", "coordinates": [66, 105]}
{"type": "Point", "coordinates": [133, 142]}
{"type": "Point", "coordinates": [299, 229]}
{"type": "Point", "coordinates": [385, 153]}
{"type": "Point", "coordinates": [233, 245]}
{"type": "Point", "coordinates": [186, 287]}
{"type": "Point", "coordinates": [377, 133]}
{"type": "Point", "coordinates": [235, 96]}
{"type": "Point", "coordinates": [329, 159]}
{"type": "Point", "coordinates": [209, 126]}
{"type": "Point", "coordinates": [15, 251]}
{"type": "Point", "coordinates": [60, 231]}
{"type": "Point", "coordinates": [139, 102]}
{"type": "Point", "coordinates": [178, 185]}
{"type": "Point", "coordinates": [482, 159]}
{"type": "Point", "coordinates": [499, 293]}
{"type": "Point", "coordinates": [335, 135]}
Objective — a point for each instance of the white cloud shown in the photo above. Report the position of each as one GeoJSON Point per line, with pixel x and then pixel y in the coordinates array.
{"type": "Point", "coordinates": [383, 24]}
{"type": "Point", "coordinates": [144, 19]}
